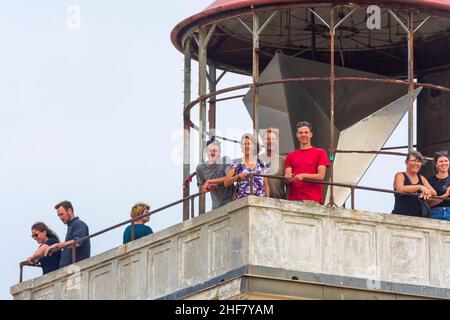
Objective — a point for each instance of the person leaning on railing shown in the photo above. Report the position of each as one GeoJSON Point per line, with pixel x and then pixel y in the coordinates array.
{"type": "Point", "coordinates": [140, 229]}
{"type": "Point", "coordinates": [275, 162]}
{"type": "Point", "coordinates": [307, 162]}
{"type": "Point", "coordinates": [76, 229]}
{"type": "Point", "coordinates": [411, 181]}
{"type": "Point", "coordinates": [211, 175]}
{"type": "Point", "coordinates": [239, 170]}
{"type": "Point", "coordinates": [440, 209]}
{"type": "Point", "coordinates": [45, 237]}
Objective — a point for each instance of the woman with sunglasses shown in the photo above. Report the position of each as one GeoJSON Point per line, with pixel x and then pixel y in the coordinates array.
{"type": "Point", "coordinates": [45, 237]}
{"type": "Point", "coordinates": [411, 181]}
{"type": "Point", "coordinates": [440, 209]}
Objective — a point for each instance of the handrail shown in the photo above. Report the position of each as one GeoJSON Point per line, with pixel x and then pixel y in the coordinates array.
{"type": "Point", "coordinates": [352, 187]}
{"type": "Point", "coordinates": [75, 242]}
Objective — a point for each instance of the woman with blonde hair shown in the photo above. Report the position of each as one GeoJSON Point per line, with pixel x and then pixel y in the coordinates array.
{"type": "Point", "coordinates": [140, 229]}
{"type": "Point", "coordinates": [239, 169]}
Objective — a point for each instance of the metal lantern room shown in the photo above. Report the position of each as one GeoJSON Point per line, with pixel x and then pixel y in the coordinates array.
{"type": "Point", "coordinates": [355, 66]}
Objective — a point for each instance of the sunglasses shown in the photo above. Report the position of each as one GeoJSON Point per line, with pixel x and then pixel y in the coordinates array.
{"type": "Point", "coordinates": [303, 124]}
{"type": "Point", "coordinates": [441, 153]}
{"type": "Point", "coordinates": [35, 235]}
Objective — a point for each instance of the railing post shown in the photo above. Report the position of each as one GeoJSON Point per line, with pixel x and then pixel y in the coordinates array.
{"type": "Point", "coordinates": [192, 207]}
{"type": "Point", "coordinates": [252, 179]}
{"type": "Point", "coordinates": [353, 197]}
{"type": "Point", "coordinates": [74, 253]}
{"type": "Point", "coordinates": [21, 272]}
{"type": "Point", "coordinates": [132, 230]}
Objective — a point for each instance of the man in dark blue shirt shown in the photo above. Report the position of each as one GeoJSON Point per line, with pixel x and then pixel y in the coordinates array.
{"type": "Point", "coordinates": [76, 229]}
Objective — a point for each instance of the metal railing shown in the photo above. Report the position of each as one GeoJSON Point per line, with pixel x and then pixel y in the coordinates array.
{"type": "Point", "coordinates": [352, 187]}
{"type": "Point", "coordinates": [74, 244]}
{"type": "Point", "coordinates": [191, 198]}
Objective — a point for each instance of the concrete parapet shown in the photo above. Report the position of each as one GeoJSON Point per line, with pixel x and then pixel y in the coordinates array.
{"type": "Point", "coordinates": [214, 255]}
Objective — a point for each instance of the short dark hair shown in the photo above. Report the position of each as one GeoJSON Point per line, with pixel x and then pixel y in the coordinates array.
{"type": "Point", "coordinates": [305, 124]}
{"type": "Point", "coordinates": [65, 204]}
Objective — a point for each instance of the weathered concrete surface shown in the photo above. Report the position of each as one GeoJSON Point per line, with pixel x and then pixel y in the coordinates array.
{"type": "Point", "coordinates": [211, 256]}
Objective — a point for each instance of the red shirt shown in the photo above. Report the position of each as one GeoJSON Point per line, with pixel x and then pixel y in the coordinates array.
{"type": "Point", "coordinates": [306, 161]}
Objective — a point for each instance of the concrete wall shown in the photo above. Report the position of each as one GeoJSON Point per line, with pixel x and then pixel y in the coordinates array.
{"type": "Point", "coordinates": [274, 234]}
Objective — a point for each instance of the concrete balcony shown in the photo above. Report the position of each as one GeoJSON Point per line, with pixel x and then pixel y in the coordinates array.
{"type": "Point", "coordinates": [265, 248]}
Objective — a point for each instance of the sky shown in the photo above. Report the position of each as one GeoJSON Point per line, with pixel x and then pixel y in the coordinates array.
{"type": "Point", "coordinates": [91, 112]}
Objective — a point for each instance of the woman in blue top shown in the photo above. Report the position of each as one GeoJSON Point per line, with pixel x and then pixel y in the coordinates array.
{"type": "Point", "coordinates": [440, 209]}
{"type": "Point", "coordinates": [239, 170]}
{"type": "Point", "coordinates": [140, 229]}
{"type": "Point", "coordinates": [45, 237]}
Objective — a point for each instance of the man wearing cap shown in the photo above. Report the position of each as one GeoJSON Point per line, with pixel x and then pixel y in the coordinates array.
{"type": "Point", "coordinates": [309, 163]}
{"type": "Point", "coordinates": [211, 175]}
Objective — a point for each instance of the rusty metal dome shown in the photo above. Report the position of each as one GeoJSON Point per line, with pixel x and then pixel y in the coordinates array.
{"type": "Point", "coordinates": [297, 32]}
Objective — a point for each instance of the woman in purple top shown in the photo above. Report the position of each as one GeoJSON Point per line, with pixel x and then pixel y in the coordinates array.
{"type": "Point", "coordinates": [239, 170]}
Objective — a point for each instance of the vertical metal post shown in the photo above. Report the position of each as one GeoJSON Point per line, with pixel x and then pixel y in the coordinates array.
{"type": "Point", "coordinates": [411, 80]}
{"type": "Point", "coordinates": [313, 36]}
{"type": "Point", "coordinates": [74, 253]}
{"type": "Point", "coordinates": [255, 64]}
{"type": "Point", "coordinates": [212, 100]}
{"type": "Point", "coordinates": [252, 181]}
{"type": "Point", "coordinates": [353, 197]}
{"type": "Point", "coordinates": [332, 102]}
{"type": "Point", "coordinates": [21, 272]}
{"type": "Point", "coordinates": [132, 230]}
{"type": "Point", "coordinates": [202, 63]}
{"type": "Point", "coordinates": [187, 127]}
{"type": "Point", "coordinates": [192, 208]}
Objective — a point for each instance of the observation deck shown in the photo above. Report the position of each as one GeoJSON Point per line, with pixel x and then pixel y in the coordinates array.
{"type": "Point", "coordinates": [261, 248]}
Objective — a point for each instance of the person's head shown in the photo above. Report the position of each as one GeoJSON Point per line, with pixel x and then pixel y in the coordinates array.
{"type": "Point", "coordinates": [212, 149]}
{"type": "Point", "coordinates": [441, 161]}
{"type": "Point", "coordinates": [248, 144]}
{"type": "Point", "coordinates": [41, 233]}
{"type": "Point", "coordinates": [272, 139]}
{"type": "Point", "coordinates": [138, 209]}
{"type": "Point", "coordinates": [414, 161]}
{"type": "Point", "coordinates": [304, 132]}
{"type": "Point", "coordinates": [64, 209]}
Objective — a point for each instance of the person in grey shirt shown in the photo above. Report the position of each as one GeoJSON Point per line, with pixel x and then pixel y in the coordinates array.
{"type": "Point", "coordinates": [275, 162]}
{"type": "Point", "coordinates": [211, 175]}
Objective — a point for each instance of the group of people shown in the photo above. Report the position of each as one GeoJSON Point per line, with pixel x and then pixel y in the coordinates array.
{"type": "Point", "coordinates": [53, 254]}
{"type": "Point", "coordinates": [411, 181]}
{"type": "Point", "coordinates": [229, 180]}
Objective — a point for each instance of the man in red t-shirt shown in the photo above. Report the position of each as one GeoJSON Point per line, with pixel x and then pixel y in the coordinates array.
{"type": "Point", "coordinates": [308, 162]}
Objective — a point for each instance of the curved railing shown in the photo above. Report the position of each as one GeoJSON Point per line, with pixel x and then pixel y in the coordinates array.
{"type": "Point", "coordinates": [132, 221]}
{"type": "Point", "coordinates": [191, 198]}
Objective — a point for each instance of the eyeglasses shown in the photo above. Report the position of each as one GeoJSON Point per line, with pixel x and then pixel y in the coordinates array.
{"type": "Point", "coordinates": [34, 235]}
{"type": "Point", "coordinates": [303, 124]}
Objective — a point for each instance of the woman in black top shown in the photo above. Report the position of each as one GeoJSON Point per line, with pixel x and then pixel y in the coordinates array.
{"type": "Point", "coordinates": [45, 237]}
{"type": "Point", "coordinates": [440, 209]}
{"type": "Point", "coordinates": [411, 181]}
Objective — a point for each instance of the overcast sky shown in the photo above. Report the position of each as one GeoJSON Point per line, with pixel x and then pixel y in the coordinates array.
{"type": "Point", "coordinates": [94, 115]}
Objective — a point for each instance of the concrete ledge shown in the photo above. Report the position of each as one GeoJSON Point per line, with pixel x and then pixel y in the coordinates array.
{"type": "Point", "coordinates": [310, 240]}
